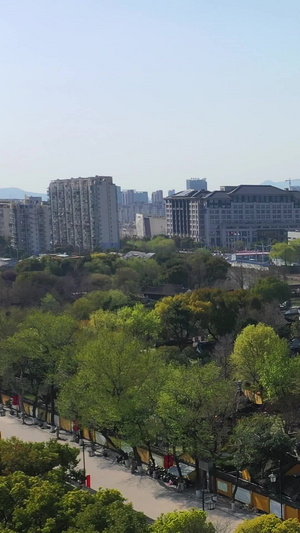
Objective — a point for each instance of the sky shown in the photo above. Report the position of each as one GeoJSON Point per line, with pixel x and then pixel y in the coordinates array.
{"type": "Point", "coordinates": [151, 92]}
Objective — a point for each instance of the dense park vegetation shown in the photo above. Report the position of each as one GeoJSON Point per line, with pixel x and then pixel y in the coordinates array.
{"type": "Point", "coordinates": [79, 337]}
{"type": "Point", "coordinates": [38, 495]}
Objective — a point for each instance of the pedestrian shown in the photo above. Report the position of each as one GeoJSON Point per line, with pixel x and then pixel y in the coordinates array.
{"type": "Point", "coordinates": [133, 466]}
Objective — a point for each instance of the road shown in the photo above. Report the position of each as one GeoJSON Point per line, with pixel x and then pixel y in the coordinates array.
{"type": "Point", "coordinates": [146, 494]}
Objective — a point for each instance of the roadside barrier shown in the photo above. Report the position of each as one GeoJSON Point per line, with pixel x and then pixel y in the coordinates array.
{"type": "Point", "coordinates": [247, 493]}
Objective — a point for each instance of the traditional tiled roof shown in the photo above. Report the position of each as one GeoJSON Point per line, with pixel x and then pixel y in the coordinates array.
{"type": "Point", "coordinates": [257, 189]}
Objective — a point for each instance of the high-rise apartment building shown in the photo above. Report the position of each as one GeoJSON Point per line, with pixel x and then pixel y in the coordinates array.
{"type": "Point", "coordinates": [171, 192]}
{"type": "Point", "coordinates": [248, 213]}
{"type": "Point", "coordinates": [119, 195]}
{"type": "Point", "coordinates": [84, 213]}
{"type": "Point", "coordinates": [141, 197]}
{"type": "Point", "coordinates": [5, 223]}
{"type": "Point", "coordinates": [157, 197]}
{"type": "Point", "coordinates": [30, 225]}
{"type": "Point", "coordinates": [197, 184]}
{"type": "Point", "coordinates": [128, 197]}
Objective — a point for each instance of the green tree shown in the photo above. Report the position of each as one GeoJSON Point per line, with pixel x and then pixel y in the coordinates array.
{"type": "Point", "coordinates": [270, 289]}
{"type": "Point", "coordinates": [176, 270]}
{"type": "Point", "coordinates": [180, 316]}
{"type": "Point", "coordinates": [35, 458]}
{"type": "Point", "coordinates": [111, 513]}
{"type": "Point", "coordinates": [283, 251]}
{"type": "Point", "coordinates": [268, 524]}
{"type": "Point", "coordinates": [10, 320]}
{"type": "Point", "coordinates": [194, 408]}
{"type": "Point", "coordinates": [82, 308]}
{"type": "Point", "coordinates": [259, 439]}
{"type": "Point", "coordinates": [30, 265]}
{"type": "Point", "coordinates": [148, 271]}
{"type": "Point", "coordinates": [39, 354]}
{"type": "Point", "coordinates": [110, 300]}
{"type": "Point", "coordinates": [261, 360]}
{"type": "Point", "coordinates": [116, 373]}
{"type": "Point", "coordinates": [138, 322]}
{"type": "Point", "coordinates": [205, 268]}
{"type": "Point", "coordinates": [183, 522]}
{"type": "Point", "coordinates": [127, 280]}
{"type": "Point", "coordinates": [49, 505]}
{"type": "Point", "coordinates": [49, 303]}
{"type": "Point", "coordinates": [225, 309]}
{"type": "Point", "coordinates": [31, 286]}
{"type": "Point", "coordinates": [162, 247]}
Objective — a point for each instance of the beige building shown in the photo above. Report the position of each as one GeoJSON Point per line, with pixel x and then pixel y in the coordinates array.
{"type": "Point", "coordinates": [84, 213]}
{"type": "Point", "coordinates": [293, 236]}
{"type": "Point", "coordinates": [150, 226]}
{"type": "Point", "coordinates": [30, 227]}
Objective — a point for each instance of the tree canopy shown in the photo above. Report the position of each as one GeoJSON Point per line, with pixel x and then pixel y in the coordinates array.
{"type": "Point", "coordinates": [259, 439]}
{"type": "Point", "coordinates": [269, 524]}
{"type": "Point", "coordinates": [261, 360]}
{"type": "Point", "coordinates": [183, 522]}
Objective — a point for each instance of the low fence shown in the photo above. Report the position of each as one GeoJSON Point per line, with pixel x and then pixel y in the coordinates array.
{"type": "Point", "coordinates": [256, 497]}
{"type": "Point", "coordinates": [247, 492]}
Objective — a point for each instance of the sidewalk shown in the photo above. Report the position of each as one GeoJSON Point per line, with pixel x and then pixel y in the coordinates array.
{"type": "Point", "coordinates": [148, 495]}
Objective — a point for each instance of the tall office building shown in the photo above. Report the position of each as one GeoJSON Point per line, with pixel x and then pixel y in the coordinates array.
{"type": "Point", "coordinates": [84, 213]}
{"type": "Point", "coordinates": [197, 184]}
{"type": "Point", "coordinates": [157, 197]}
{"type": "Point", "coordinates": [248, 213]}
{"type": "Point", "coordinates": [30, 225]}
{"type": "Point", "coordinates": [184, 213]}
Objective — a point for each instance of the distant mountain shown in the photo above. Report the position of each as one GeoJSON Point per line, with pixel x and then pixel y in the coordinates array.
{"type": "Point", "coordinates": [282, 184]}
{"type": "Point", "coordinates": [18, 194]}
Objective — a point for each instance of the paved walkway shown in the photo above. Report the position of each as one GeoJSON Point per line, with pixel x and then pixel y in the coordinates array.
{"type": "Point", "coordinates": [148, 495]}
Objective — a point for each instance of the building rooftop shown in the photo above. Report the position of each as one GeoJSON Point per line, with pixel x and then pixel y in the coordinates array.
{"type": "Point", "coordinates": [140, 255]}
{"type": "Point", "coordinates": [217, 195]}
{"type": "Point", "coordinates": [189, 193]}
{"type": "Point", "coordinates": [257, 189]}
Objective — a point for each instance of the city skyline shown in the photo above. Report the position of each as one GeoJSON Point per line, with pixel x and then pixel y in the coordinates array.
{"type": "Point", "coordinates": [149, 92]}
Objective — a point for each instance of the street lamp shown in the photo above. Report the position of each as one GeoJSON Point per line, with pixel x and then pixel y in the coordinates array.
{"type": "Point", "coordinates": [273, 479]}
{"type": "Point", "coordinates": [81, 443]}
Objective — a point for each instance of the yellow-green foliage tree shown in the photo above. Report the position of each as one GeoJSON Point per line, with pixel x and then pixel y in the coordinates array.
{"type": "Point", "coordinates": [180, 315]}
{"type": "Point", "coordinates": [261, 360]}
{"type": "Point", "coordinates": [269, 524]}
{"type": "Point", "coordinates": [286, 252]}
{"type": "Point", "coordinates": [183, 522]}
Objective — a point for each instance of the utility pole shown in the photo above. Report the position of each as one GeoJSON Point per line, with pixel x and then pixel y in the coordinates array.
{"type": "Point", "coordinates": [83, 460]}
{"type": "Point", "coordinates": [280, 488]}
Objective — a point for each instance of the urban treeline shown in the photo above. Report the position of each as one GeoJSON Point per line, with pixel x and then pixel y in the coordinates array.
{"type": "Point", "coordinates": [79, 336]}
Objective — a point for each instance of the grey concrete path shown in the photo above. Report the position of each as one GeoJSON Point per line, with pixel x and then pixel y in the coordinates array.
{"type": "Point", "coordinates": [146, 494]}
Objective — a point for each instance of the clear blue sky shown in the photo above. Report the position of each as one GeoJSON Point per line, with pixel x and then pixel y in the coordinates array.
{"type": "Point", "coordinates": [149, 91]}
